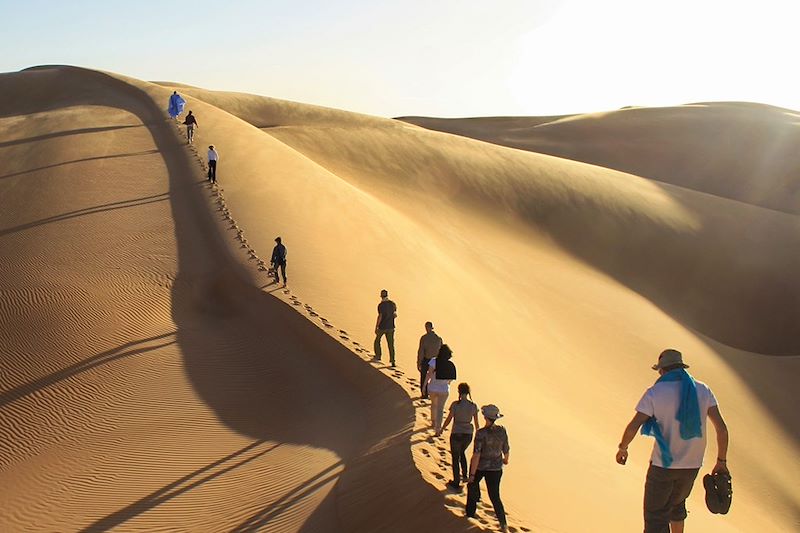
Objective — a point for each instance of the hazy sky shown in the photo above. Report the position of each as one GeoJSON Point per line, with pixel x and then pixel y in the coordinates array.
{"type": "Point", "coordinates": [432, 57]}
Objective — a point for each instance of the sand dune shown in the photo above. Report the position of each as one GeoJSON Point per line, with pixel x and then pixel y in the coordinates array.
{"type": "Point", "coordinates": [152, 381]}
{"type": "Point", "coordinates": [651, 237]}
{"type": "Point", "coordinates": [735, 150]}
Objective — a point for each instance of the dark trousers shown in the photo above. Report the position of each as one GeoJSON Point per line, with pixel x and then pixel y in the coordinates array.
{"type": "Point", "coordinates": [389, 340]}
{"type": "Point", "coordinates": [280, 267]}
{"type": "Point", "coordinates": [492, 486]}
{"type": "Point", "coordinates": [665, 493]}
{"type": "Point", "coordinates": [212, 171]}
{"type": "Point", "coordinates": [459, 442]}
{"type": "Point", "coordinates": [423, 374]}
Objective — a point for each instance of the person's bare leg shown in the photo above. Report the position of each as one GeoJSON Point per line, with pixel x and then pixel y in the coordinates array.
{"type": "Point", "coordinates": [676, 527]}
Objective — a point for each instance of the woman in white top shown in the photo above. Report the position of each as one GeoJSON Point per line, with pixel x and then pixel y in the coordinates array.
{"type": "Point", "coordinates": [438, 384]}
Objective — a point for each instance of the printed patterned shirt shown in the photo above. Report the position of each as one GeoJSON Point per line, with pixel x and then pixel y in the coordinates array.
{"type": "Point", "coordinates": [491, 443]}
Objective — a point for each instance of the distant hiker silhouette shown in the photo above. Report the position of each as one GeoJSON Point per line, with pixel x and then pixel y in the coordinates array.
{"type": "Point", "coordinates": [429, 345]}
{"type": "Point", "coordinates": [213, 157]}
{"type": "Point", "coordinates": [674, 411]}
{"type": "Point", "coordinates": [279, 260]}
{"type": "Point", "coordinates": [489, 454]}
{"type": "Point", "coordinates": [462, 412]}
{"type": "Point", "coordinates": [384, 325]}
{"type": "Point", "coordinates": [191, 124]}
{"type": "Point", "coordinates": [175, 106]}
{"type": "Point", "coordinates": [441, 371]}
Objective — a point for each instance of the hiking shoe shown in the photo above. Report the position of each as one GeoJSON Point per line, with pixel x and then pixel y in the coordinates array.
{"type": "Point", "coordinates": [503, 527]}
{"type": "Point", "coordinates": [452, 485]}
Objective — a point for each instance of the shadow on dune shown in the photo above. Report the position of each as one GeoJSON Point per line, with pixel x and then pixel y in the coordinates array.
{"type": "Point", "coordinates": [129, 349]}
{"type": "Point", "coordinates": [731, 167]}
{"type": "Point", "coordinates": [54, 135]}
{"type": "Point", "coordinates": [186, 483]}
{"type": "Point", "coordinates": [123, 204]}
{"type": "Point", "coordinates": [56, 165]}
{"type": "Point", "coordinates": [264, 369]}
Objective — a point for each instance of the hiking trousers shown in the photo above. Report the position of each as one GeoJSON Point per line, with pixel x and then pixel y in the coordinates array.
{"type": "Point", "coordinates": [212, 171]}
{"type": "Point", "coordinates": [389, 340]}
{"type": "Point", "coordinates": [665, 493]}
{"type": "Point", "coordinates": [280, 268]}
{"type": "Point", "coordinates": [493, 488]}
{"type": "Point", "coordinates": [423, 377]}
{"type": "Point", "coordinates": [459, 442]}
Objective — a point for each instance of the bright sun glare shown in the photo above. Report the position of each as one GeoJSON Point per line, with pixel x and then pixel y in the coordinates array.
{"type": "Point", "coordinates": [603, 55]}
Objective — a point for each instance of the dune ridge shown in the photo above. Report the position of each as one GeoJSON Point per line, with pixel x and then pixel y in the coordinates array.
{"type": "Point", "coordinates": [507, 252]}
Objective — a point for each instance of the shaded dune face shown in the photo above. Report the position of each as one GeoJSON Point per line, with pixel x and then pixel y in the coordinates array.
{"type": "Point", "coordinates": [137, 345]}
{"type": "Point", "coordinates": [690, 243]}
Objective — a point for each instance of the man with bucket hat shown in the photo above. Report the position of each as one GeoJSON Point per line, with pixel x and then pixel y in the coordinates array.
{"type": "Point", "coordinates": [674, 411]}
{"type": "Point", "coordinates": [489, 454]}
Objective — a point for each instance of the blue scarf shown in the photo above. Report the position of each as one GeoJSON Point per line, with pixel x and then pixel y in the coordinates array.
{"type": "Point", "coordinates": [688, 415]}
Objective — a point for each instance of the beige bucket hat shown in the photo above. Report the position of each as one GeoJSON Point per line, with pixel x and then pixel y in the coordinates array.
{"type": "Point", "coordinates": [491, 411]}
{"type": "Point", "coordinates": [669, 357]}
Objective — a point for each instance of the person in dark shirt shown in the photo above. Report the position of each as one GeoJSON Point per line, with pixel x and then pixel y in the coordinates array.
{"type": "Point", "coordinates": [279, 260]}
{"type": "Point", "coordinates": [384, 325]}
{"type": "Point", "coordinates": [490, 452]}
{"type": "Point", "coordinates": [191, 124]}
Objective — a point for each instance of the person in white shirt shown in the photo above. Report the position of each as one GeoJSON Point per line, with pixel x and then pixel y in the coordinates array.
{"type": "Point", "coordinates": [213, 157]}
{"type": "Point", "coordinates": [441, 371]}
{"type": "Point", "coordinates": [674, 411]}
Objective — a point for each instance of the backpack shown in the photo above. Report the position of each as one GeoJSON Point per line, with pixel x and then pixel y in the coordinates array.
{"type": "Point", "coordinates": [445, 369]}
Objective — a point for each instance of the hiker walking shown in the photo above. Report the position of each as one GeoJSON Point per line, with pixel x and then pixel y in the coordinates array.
{"type": "Point", "coordinates": [279, 260]}
{"type": "Point", "coordinates": [441, 371]}
{"type": "Point", "coordinates": [429, 345]}
{"type": "Point", "coordinates": [191, 124]}
{"type": "Point", "coordinates": [384, 325]}
{"type": "Point", "coordinates": [674, 411]}
{"type": "Point", "coordinates": [213, 157]}
{"type": "Point", "coordinates": [489, 454]}
{"type": "Point", "coordinates": [175, 105]}
{"type": "Point", "coordinates": [462, 412]}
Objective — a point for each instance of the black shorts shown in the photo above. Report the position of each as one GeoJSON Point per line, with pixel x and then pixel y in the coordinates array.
{"type": "Point", "coordinates": [665, 493]}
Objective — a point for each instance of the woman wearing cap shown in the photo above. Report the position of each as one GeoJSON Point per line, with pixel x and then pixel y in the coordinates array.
{"type": "Point", "coordinates": [441, 371]}
{"type": "Point", "coordinates": [490, 453]}
{"type": "Point", "coordinates": [462, 411]}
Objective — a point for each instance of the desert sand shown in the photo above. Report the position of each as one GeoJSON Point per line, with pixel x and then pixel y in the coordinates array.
{"type": "Point", "coordinates": [152, 379]}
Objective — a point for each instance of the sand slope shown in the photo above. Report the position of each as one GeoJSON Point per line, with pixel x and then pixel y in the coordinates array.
{"type": "Point", "coordinates": [152, 383]}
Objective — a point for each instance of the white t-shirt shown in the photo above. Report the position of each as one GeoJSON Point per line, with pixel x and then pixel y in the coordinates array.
{"type": "Point", "coordinates": [438, 385]}
{"type": "Point", "coordinates": [662, 401]}
{"type": "Point", "coordinates": [213, 155]}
